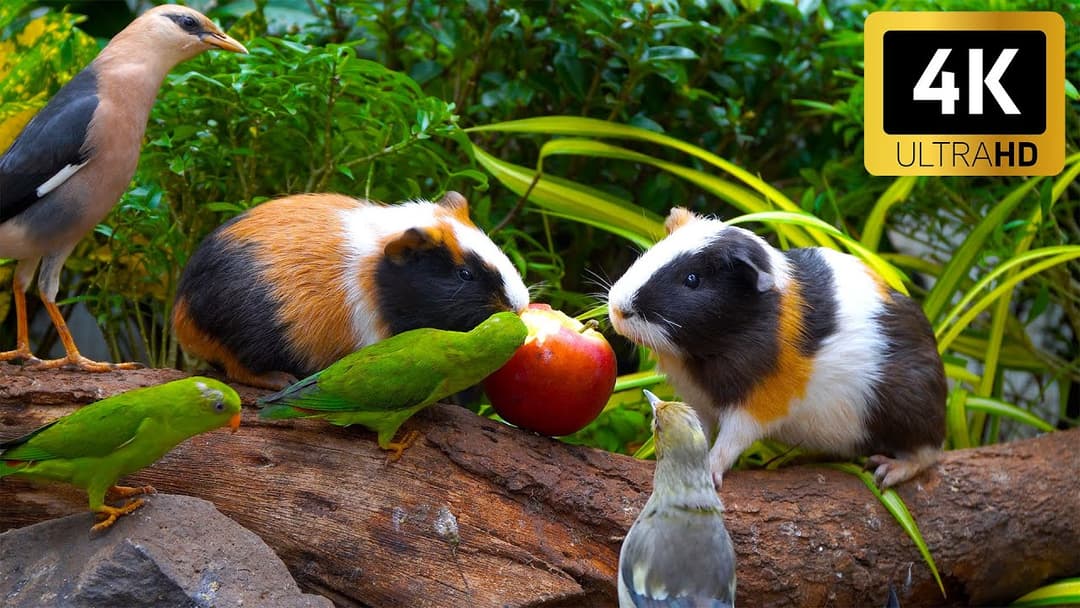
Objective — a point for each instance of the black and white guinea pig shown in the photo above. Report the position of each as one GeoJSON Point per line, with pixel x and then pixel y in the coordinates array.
{"type": "Point", "coordinates": [807, 346]}
{"type": "Point", "coordinates": [294, 284]}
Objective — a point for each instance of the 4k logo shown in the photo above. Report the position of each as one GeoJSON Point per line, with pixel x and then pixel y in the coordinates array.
{"type": "Point", "coordinates": [965, 93]}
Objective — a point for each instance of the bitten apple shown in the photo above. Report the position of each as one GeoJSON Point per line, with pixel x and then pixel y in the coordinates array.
{"type": "Point", "coordinates": [559, 380]}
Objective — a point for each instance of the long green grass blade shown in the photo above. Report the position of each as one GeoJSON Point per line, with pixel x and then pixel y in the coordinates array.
{"type": "Point", "coordinates": [995, 407]}
{"type": "Point", "coordinates": [958, 434]}
{"type": "Point", "coordinates": [875, 222]}
{"type": "Point", "coordinates": [590, 127]}
{"type": "Point", "coordinates": [895, 505]}
{"type": "Point", "coordinates": [1061, 593]}
{"type": "Point", "coordinates": [947, 332]}
{"type": "Point", "coordinates": [957, 372]}
{"type": "Point", "coordinates": [739, 197]}
{"type": "Point", "coordinates": [564, 198]}
{"type": "Point", "coordinates": [887, 271]}
{"type": "Point", "coordinates": [960, 264]}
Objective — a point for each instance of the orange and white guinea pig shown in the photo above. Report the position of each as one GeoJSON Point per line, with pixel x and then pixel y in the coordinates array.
{"type": "Point", "coordinates": [294, 284]}
{"type": "Point", "coordinates": [808, 346]}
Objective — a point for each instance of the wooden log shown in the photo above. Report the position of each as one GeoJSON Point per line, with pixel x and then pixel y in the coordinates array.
{"type": "Point", "coordinates": [478, 513]}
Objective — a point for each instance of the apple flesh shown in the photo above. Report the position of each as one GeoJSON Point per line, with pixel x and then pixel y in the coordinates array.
{"type": "Point", "coordinates": [559, 380]}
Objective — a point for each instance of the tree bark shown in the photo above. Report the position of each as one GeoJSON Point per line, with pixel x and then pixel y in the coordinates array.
{"type": "Point", "coordinates": [480, 514]}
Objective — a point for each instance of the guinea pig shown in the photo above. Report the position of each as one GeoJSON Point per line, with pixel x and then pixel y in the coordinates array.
{"type": "Point", "coordinates": [807, 346]}
{"type": "Point", "coordinates": [294, 284]}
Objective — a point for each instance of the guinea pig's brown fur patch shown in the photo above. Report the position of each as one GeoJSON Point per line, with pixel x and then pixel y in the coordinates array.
{"type": "Point", "coordinates": [677, 218]}
{"type": "Point", "coordinates": [305, 274]}
{"type": "Point", "coordinates": [770, 396]}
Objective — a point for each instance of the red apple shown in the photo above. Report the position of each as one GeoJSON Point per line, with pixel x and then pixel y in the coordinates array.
{"type": "Point", "coordinates": [559, 380]}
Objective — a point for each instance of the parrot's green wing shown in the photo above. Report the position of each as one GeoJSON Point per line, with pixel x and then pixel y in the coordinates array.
{"type": "Point", "coordinates": [381, 377]}
{"type": "Point", "coordinates": [93, 430]}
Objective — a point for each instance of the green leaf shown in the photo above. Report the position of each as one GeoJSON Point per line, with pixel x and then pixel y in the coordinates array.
{"type": "Point", "coordinates": [948, 330]}
{"type": "Point", "coordinates": [959, 265]}
{"type": "Point", "coordinates": [956, 419]}
{"type": "Point", "coordinates": [995, 407]}
{"type": "Point", "coordinates": [667, 53]}
{"type": "Point", "coordinates": [738, 196]}
{"type": "Point", "coordinates": [875, 223]}
{"type": "Point", "coordinates": [895, 505]}
{"type": "Point", "coordinates": [591, 127]}
{"type": "Point", "coordinates": [564, 198]}
{"type": "Point", "coordinates": [1061, 593]}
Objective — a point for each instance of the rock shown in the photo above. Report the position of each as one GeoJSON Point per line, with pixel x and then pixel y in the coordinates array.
{"type": "Point", "coordinates": [174, 551]}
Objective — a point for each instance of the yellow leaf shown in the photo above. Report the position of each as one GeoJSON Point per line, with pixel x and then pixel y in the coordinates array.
{"type": "Point", "coordinates": [10, 128]}
{"type": "Point", "coordinates": [31, 32]}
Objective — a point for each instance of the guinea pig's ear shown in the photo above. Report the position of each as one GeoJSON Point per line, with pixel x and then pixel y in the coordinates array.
{"type": "Point", "coordinates": [764, 279]}
{"type": "Point", "coordinates": [399, 249]}
{"type": "Point", "coordinates": [456, 205]}
{"type": "Point", "coordinates": [677, 218]}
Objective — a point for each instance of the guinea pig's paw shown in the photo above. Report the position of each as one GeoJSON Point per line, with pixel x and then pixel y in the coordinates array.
{"type": "Point", "coordinates": [892, 471]}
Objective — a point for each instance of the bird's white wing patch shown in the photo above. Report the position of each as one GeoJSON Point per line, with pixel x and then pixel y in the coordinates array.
{"type": "Point", "coordinates": [61, 176]}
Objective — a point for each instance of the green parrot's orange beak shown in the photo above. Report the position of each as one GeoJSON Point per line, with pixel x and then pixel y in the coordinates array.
{"type": "Point", "coordinates": [234, 422]}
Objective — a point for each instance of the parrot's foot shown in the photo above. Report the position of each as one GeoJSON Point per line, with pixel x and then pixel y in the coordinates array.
{"type": "Point", "coordinates": [79, 362]}
{"type": "Point", "coordinates": [396, 448]}
{"type": "Point", "coordinates": [111, 513]}
{"type": "Point", "coordinates": [118, 492]}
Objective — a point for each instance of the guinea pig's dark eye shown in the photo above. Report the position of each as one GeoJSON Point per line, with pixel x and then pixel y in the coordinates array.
{"type": "Point", "coordinates": [465, 274]}
{"type": "Point", "coordinates": [692, 281]}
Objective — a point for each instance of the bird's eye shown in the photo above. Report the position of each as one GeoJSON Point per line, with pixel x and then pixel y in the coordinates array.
{"type": "Point", "coordinates": [692, 281]}
{"type": "Point", "coordinates": [188, 23]}
{"type": "Point", "coordinates": [465, 274]}
{"type": "Point", "coordinates": [219, 406]}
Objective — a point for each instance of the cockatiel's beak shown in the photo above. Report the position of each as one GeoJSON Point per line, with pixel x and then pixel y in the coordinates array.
{"type": "Point", "coordinates": [234, 422]}
{"type": "Point", "coordinates": [222, 41]}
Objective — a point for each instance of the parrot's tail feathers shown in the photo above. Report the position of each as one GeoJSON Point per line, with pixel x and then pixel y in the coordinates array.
{"type": "Point", "coordinates": [293, 391]}
{"type": "Point", "coordinates": [280, 411]}
{"type": "Point", "coordinates": [7, 467]}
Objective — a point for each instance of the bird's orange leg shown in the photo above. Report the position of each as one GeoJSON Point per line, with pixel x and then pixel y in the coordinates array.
{"type": "Point", "coordinates": [111, 513]}
{"type": "Point", "coordinates": [397, 448]}
{"type": "Point", "coordinates": [74, 358]}
{"type": "Point", "coordinates": [22, 340]}
{"type": "Point", "coordinates": [117, 492]}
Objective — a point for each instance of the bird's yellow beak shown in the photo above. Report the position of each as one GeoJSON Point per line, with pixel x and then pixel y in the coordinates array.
{"type": "Point", "coordinates": [234, 422]}
{"type": "Point", "coordinates": [223, 41]}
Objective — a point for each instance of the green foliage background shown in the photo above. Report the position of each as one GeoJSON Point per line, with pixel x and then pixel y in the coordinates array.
{"type": "Point", "coordinates": [573, 126]}
{"type": "Point", "coordinates": [729, 107]}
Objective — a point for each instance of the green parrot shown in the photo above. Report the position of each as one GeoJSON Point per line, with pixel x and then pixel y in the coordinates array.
{"type": "Point", "coordinates": [381, 385]}
{"type": "Point", "coordinates": [97, 444]}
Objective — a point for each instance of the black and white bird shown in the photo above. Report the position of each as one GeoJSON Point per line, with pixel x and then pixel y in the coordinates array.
{"type": "Point", "coordinates": [76, 157]}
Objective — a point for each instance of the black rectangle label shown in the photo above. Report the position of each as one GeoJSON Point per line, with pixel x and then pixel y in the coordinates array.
{"type": "Point", "coordinates": [964, 82]}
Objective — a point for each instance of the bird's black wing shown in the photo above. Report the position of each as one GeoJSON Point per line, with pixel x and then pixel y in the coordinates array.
{"type": "Point", "coordinates": [52, 140]}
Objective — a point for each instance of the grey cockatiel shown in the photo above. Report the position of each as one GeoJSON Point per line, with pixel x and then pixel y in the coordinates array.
{"type": "Point", "coordinates": [73, 160]}
{"type": "Point", "coordinates": [678, 553]}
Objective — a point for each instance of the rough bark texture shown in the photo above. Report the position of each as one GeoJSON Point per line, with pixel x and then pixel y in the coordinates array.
{"type": "Point", "coordinates": [481, 514]}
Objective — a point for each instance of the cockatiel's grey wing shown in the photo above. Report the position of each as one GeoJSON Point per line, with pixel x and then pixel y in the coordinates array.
{"type": "Point", "coordinates": [677, 558]}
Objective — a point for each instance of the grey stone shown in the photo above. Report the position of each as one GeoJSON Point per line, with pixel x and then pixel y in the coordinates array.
{"type": "Point", "coordinates": [174, 551]}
